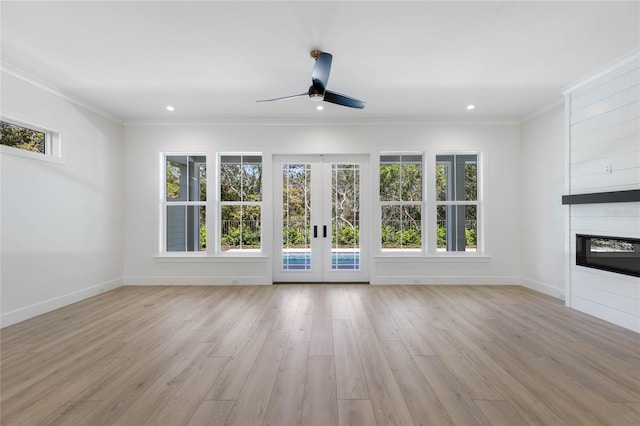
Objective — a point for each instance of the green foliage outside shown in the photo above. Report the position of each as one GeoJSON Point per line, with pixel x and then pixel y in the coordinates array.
{"type": "Point", "coordinates": [203, 237]}
{"type": "Point", "coordinates": [345, 236]}
{"type": "Point", "coordinates": [295, 237]}
{"type": "Point", "coordinates": [21, 137]}
{"type": "Point", "coordinates": [470, 237]}
{"type": "Point", "coordinates": [442, 237]}
{"type": "Point", "coordinates": [401, 182]}
{"type": "Point", "coordinates": [341, 236]}
{"type": "Point", "coordinates": [401, 223]}
{"type": "Point", "coordinates": [393, 237]}
{"type": "Point", "coordinates": [240, 182]}
{"type": "Point", "coordinates": [241, 236]}
{"type": "Point", "coordinates": [173, 181]}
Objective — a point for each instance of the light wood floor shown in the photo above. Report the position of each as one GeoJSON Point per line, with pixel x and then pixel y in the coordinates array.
{"type": "Point", "coordinates": [319, 355]}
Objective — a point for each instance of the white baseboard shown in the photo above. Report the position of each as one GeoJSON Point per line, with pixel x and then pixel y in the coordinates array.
{"type": "Point", "coordinates": [446, 280]}
{"type": "Point", "coordinates": [36, 309]}
{"type": "Point", "coordinates": [547, 289]}
{"type": "Point", "coordinates": [182, 280]}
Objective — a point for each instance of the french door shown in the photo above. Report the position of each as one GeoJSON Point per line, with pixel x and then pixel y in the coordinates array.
{"type": "Point", "coordinates": [321, 224]}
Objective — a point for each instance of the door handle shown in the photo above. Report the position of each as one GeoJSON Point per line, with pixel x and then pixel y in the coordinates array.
{"type": "Point", "coordinates": [324, 231]}
{"type": "Point", "coordinates": [315, 231]}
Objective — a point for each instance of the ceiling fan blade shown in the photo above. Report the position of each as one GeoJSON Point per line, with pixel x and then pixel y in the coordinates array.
{"type": "Point", "coordinates": [337, 98]}
{"type": "Point", "coordinates": [321, 70]}
{"type": "Point", "coordinates": [284, 98]}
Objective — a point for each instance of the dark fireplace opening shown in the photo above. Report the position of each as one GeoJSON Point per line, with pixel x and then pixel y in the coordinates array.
{"type": "Point", "coordinates": [614, 254]}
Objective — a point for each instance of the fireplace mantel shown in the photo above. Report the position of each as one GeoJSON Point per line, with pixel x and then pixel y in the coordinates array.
{"type": "Point", "coordinates": [603, 197]}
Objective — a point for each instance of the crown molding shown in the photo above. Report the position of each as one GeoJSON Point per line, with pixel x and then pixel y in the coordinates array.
{"type": "Point", "coordinates": [624, 59]}
{"type": "Point", "coordinates": [272, 122]}
{"type": "Point", "coordinates": [48, 87]}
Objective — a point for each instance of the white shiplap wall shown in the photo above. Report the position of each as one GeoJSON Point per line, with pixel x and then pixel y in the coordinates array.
{"type": "Point", "coordinates": [604, 155]}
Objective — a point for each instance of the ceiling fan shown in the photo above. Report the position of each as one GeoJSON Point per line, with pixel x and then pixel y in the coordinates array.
{"type": "Point", "coordinates": [318, 89]}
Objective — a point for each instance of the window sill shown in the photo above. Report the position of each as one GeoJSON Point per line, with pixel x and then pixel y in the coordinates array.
{"type": "Point", "coordinates": [433, 258]}
{"type": "Point", "coordinates": [8, 150]}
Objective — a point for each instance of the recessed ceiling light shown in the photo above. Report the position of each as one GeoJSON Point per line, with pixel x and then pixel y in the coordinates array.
{"type": "Point", "coordinates": [319, 107]}
{"type": "Point", "coordinates": [470, 107]}
{"type": "Point", "coordinates": [170, 108]}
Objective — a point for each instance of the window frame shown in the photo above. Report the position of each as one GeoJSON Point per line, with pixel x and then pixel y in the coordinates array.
{"type": "Point", "coordinates": [424, 232]}
{"type": "Point", "coordinates": [220, 204]}
{"type": "Point", "coordinates": [164, 203]}
{"type": "Point", "coordinates": [52, 141]}
{"type": "Point", "coordinates": [478, 203]}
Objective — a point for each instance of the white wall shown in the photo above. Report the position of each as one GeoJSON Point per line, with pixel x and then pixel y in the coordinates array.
{"type": "Point", "coordinates": [61, 236]}
{"type": "Point", "coordinates": [604, 146]}
{"type": "Point", "coordinates": [542, 217]}
{"type": "Point", "coordinates": [499, 144]}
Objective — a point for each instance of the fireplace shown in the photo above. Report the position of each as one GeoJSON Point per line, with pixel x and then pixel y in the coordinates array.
{"type": "Point", "coordinates": [614, 254]}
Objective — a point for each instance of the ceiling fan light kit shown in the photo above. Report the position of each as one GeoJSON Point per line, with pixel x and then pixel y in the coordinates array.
{"type": "Point", "coordinates": [318, 89]}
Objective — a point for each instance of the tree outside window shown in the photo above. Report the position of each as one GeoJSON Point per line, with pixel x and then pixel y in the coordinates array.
{"type": "Point", "coordinates": [240, 202]}
{"type": "Point", "coordinates": [401, 200]}
{"type": "Point", "coordinates": [21, 137]}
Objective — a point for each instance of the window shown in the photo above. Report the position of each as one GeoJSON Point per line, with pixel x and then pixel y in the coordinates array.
{"type": "Point", "coordinates": [401, 202]}
{"type": "Point", "coordinates": [240, 202]}
{"type": "Point", "coordinates": [185, 195]}
{"type": "Point", "coordinates": [21, 137]}
{"type": "Point", "coordinates": [27, 140]}
{"type": "Point", "coordinates": [457, 202]}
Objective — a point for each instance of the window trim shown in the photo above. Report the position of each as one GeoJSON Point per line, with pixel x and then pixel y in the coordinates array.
{"type": "Point", "coordinates": [429, 216]}
{"type": "Point", "coordinates": [480, 241]}
{"type": "Point", "coordinates": [162, 240]}
{"type": "Point", "coordinates": [52, 142]}
{"type": "Point", "coordinates": [424, 232]}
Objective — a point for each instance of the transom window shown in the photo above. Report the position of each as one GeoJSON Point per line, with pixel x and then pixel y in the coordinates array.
{"type": "Point", "coordinates": [31, 141]}
{"type": "Point", "coordinates": [21, 137]}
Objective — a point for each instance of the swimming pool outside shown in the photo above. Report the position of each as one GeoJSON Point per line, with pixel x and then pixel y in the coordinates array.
{"type": "Point", "coordinates": [300, 259]}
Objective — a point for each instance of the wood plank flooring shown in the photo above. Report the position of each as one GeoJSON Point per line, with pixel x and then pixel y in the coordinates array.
{"type": "Point", "coordinates": [322, 354]}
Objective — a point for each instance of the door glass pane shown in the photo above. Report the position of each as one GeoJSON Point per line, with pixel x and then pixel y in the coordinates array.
{"type": "Point", "coordinates": [345, 213]}
{"type": "Point", "coordinates": [296, 217]}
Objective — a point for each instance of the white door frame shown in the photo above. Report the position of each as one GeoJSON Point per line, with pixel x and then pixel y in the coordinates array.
{"type": "Point", "coordinates": [321, 211]}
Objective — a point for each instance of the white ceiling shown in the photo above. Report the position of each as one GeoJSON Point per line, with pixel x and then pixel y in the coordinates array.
{"type": "Point", "coordinates": [408, 60]}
